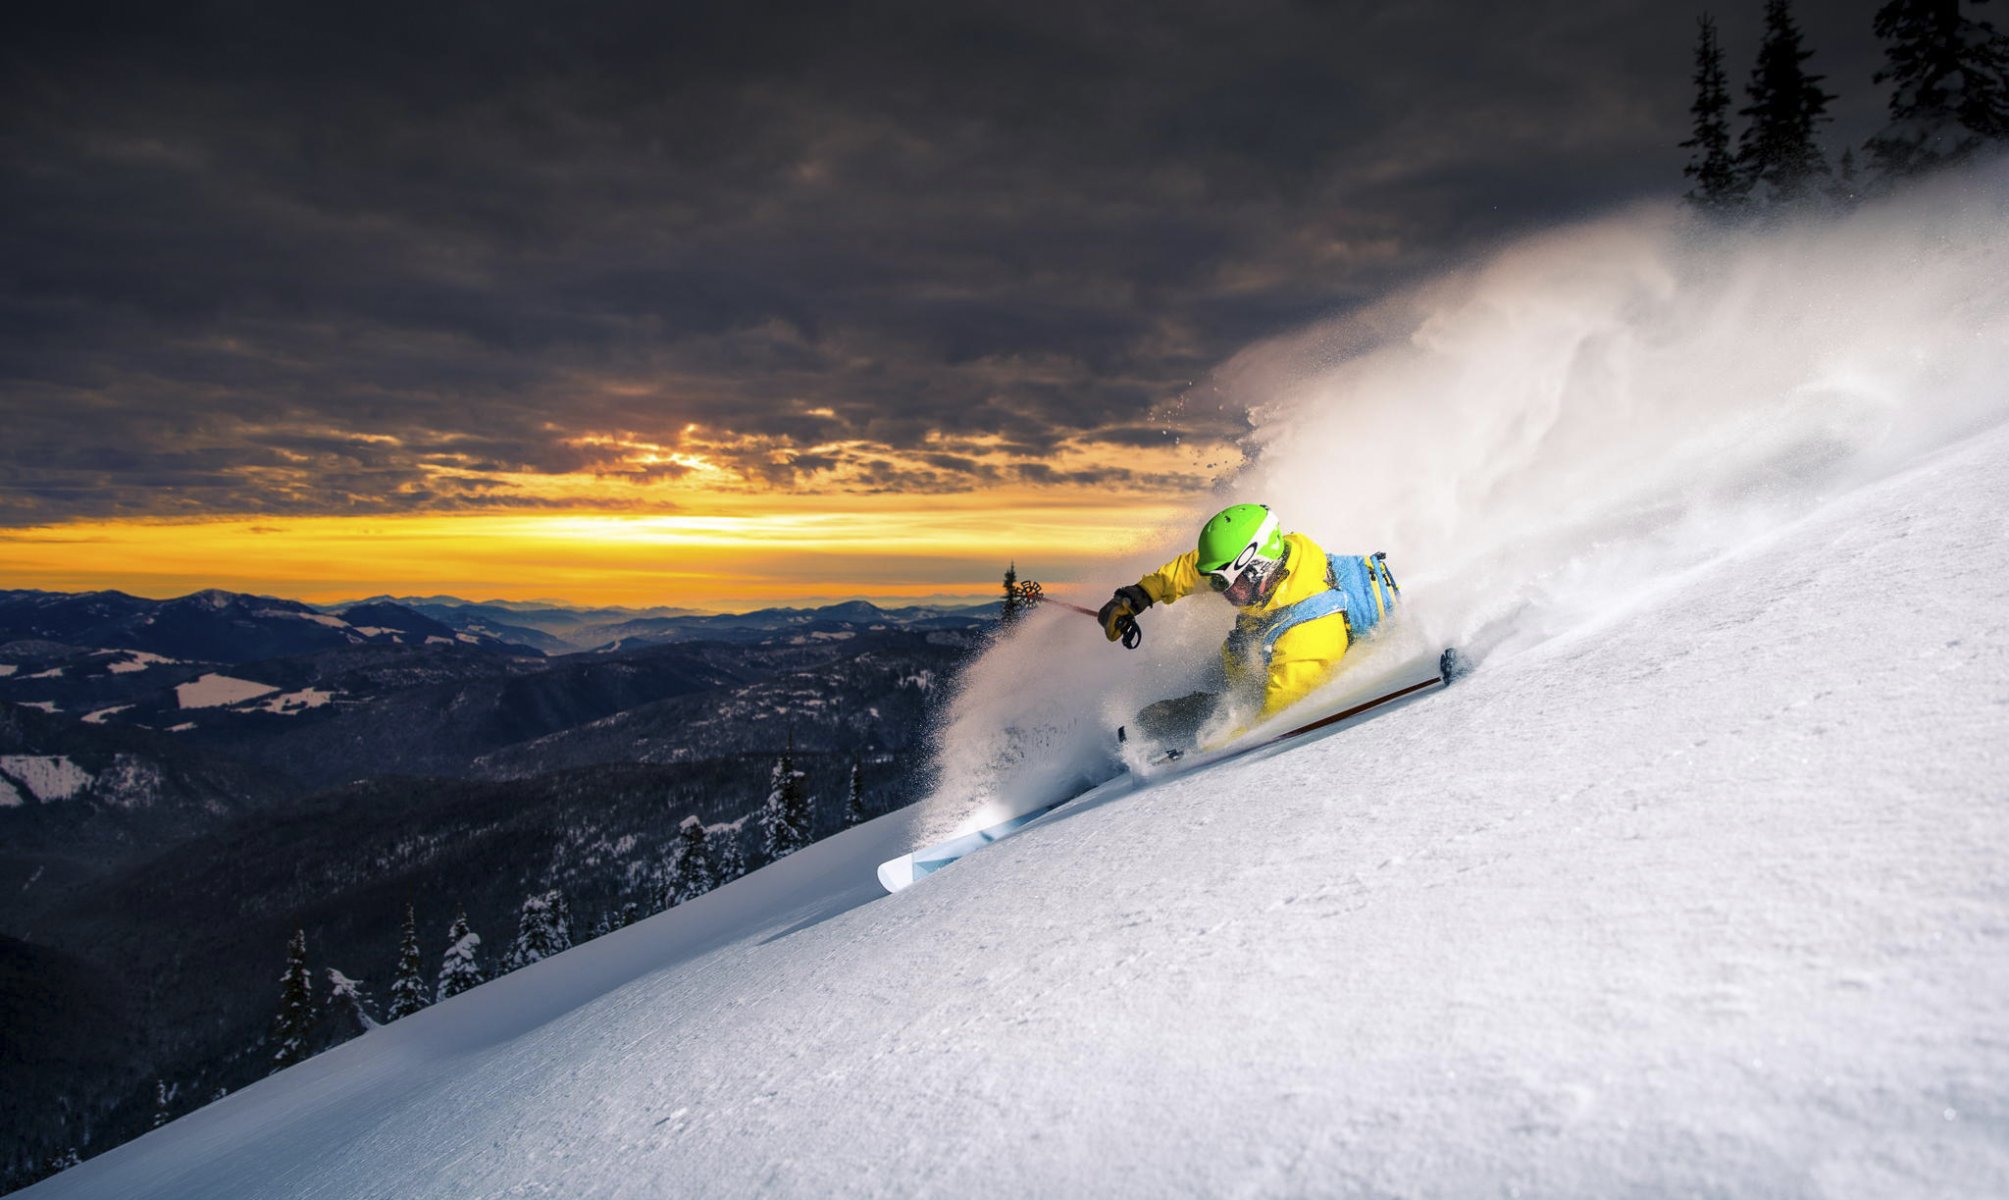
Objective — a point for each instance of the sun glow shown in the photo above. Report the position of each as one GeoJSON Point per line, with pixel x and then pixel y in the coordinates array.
{"type": "Point", "coordinates": [740, 551]}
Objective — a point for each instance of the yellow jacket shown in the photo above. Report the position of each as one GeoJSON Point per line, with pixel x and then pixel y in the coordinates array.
{"type": "Point", "coordinates": [1302, 659]}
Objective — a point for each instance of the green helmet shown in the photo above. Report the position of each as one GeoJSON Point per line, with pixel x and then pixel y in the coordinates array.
{"type": "Point", "coordinates": [1232, 530]}
{"type": "Point", "coordinates": [1242, 553]}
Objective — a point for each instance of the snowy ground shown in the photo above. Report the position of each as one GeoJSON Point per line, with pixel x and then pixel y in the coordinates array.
{"type": "Point", "coordinates": [1710, 896]}
{"type": "Point", "coordinates": [215, 691]}
{"type": "Point", "coordinates": [50, 777]}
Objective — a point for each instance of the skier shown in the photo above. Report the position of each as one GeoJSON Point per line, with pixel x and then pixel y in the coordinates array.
{"type": "Point", "coordinates": [1300, 608]}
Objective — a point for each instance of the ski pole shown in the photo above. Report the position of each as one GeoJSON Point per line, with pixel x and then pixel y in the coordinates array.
{"type": "Point", "coordinates": [1128, 628]}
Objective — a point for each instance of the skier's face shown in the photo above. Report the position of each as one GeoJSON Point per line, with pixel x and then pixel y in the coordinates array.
{"type": "Point", "coordinates": [1249, 585]}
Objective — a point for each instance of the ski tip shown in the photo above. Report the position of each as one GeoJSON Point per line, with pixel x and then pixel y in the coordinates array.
{"type": "Point", "coordinates": [897, 873]}
{"type": "Point", "coordinates": [1453, 666]}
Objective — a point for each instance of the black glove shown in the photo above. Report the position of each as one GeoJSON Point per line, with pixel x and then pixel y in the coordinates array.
{"type": "Point", "coordinates": [1122, 610]}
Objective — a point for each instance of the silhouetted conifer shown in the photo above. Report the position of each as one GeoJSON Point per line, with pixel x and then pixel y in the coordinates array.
{"type": "Point", "coordinates": [1719, 186]}
{"type": "Point", "coordinates": [1778, 158]}
{"type": "Point", "coordinates": [294, 1024]}
{"type": "Point", "coordinates": [1013, 604]}
{"type": "Point", "coordinates": [1949, 78]}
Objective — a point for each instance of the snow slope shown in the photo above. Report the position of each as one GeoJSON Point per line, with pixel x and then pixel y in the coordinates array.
{"type": "Point", "coordinates": [1699, 885]}
{"type": "Point", "coordinates": [1711, 897]}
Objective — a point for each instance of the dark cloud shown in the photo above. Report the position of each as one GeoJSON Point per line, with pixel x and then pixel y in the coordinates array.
{"type": "Point", "coordinates": [263, 258]}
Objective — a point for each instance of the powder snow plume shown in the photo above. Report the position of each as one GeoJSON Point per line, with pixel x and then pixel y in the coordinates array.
{"type": "Point", "coordinates": [1544, 440]}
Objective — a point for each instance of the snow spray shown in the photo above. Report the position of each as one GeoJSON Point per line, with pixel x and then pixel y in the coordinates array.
{"type": "Point", "coordinates": [1543, 440]}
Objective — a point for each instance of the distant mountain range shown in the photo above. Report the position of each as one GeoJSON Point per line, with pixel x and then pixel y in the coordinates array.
{"type": "Point", "coordinates": [558, 629]}
{"type": "Point", "coordinates": [220, 626]}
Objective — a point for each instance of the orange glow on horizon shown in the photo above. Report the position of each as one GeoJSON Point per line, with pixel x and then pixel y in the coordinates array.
{"type": "Point", "coordinates": [740, 552]}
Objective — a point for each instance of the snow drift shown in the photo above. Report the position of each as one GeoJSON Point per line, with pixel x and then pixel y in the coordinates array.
{"type": "Point", "coordinates": [1545, 439]}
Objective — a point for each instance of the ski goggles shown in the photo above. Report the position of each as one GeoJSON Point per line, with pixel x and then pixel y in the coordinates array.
{"type": "Point", "coordinates": [1248, 583]}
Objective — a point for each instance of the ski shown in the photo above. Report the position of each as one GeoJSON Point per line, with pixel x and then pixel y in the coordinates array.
{"type": "Point", "coordinates": [902, 872]}
{"type": "Point", "coordinates": [895, 874]}
{"type": "Point", "coordinates": [1451, 666]}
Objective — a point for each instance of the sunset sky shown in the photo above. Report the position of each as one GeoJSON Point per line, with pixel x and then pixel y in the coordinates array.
{"type": "Point", "coordinates": [718, 305]}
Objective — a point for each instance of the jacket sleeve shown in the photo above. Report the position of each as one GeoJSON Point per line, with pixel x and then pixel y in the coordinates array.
{"type": "Point", "coordinates": [1180, 577]}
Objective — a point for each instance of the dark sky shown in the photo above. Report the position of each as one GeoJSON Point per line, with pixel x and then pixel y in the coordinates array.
{"type": "Point", "coordinates": [278, 258]}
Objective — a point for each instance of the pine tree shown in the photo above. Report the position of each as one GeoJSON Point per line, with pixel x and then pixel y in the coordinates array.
{"type": "Point", "coordinates": [460, 968]}
{"type": "Point", "coordinates": [1012, 603]}
{"type": "Point", "coordinates": [1718, 185]}
{"type": "Point", "coordinates": [785, 817]}
{"type": "Point", "coordinates": [161, 1096]}
{"type": "Point", "coordinates": [408, 989]}
{"type": "Point", "coordinates": [533, 935]}
{"type": "Point", "coordinates": [561, 920]}
{"type": "Point", "coordinates": [1778, 153]}
{"type": "Point", "coordinates": [542, 929]}
{"type": "Point", "coordinates": [348, 1007]}
{"type": "Point", "coordinates": [730, 853]}
{"type": "Point", "coordinates": [1950, 93]}
{"type": "Point", "coordinates": [293, 1026]}
{"type": "Point", "coordinates": [694, 869]}
{"type": "Point", "coordinates": [854, 803]}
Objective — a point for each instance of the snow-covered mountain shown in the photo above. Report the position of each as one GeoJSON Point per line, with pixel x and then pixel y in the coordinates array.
{"type": "Point", "coordinates": [1700, 885]}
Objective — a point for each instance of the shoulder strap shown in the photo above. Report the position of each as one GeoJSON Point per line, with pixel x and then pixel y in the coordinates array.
{"type": "Point", "coordinates": [1311, 608]}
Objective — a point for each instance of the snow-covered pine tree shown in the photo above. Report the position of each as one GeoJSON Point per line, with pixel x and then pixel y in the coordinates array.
{"type": "Point", "coordinates": [1949, 77]}
{"type": "Point", "coordinates": [602, 926]}
{"type": "Point", "coordinates": [1778, 158]}
{"type": "Point", "coordinates": [730, 853]}
{"type": "Point", "coordinates": [349, 1006]}
{"type": "Point", "coordinates": [294, 1023]}
{"type": "Point", "coordinates": [631, 912]}
{"type": "Point", "coordinates": [561, 919]}
{"type": "Point", "coordinates": [533, 935]}
{"type": "Point", "coordinates": [460, 968]}
{"type": "Point", "coordinates": [408, 989]}
{"type": "Point", "coordinates": [854, 800]}
{"type": "Point", "coordinates": [161, 1096]}
{"type": "Point", "coordinates": [693, 869]}
{"type": "Point", "coordinates": [785, 817]}
{"type": "Point", "coordinates": [1718, 185]}
{"type": "Point", "coordinates": [543, 928]}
